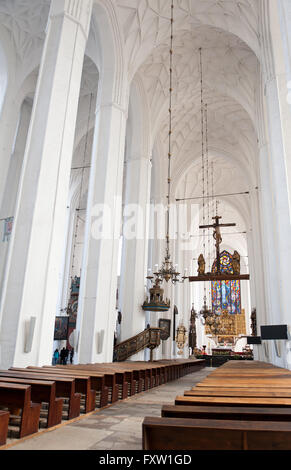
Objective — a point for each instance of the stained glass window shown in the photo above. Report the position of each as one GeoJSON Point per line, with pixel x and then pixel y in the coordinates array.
{"type": "Point", "coordinates": [225, 295]}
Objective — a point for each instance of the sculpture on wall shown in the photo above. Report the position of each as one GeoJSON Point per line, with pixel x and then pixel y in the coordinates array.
{"type": "Point", "coordinates": [254, 322]}
{"type": "Point", "coordinates": [236, 263]}
{"type": "Point", "coordinates": [192, 331]}
{"type": "Point", "coordinates": [201, 265]}
{"type": "Point", "coordinates": [181, 338]}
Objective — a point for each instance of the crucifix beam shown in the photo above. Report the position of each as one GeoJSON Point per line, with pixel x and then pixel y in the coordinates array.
{"type": "Point", "coordinates": [219, 277]}
{"type": "Point", "coordinates": [217, 236]}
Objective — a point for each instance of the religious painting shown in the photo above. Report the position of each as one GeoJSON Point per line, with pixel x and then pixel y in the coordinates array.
{"type": "Point", "coordinates": [166, 328]}
{"type": "Point", "coordinates": [61, 328]}
{"type": "Point", "coordinates": [226, 295]}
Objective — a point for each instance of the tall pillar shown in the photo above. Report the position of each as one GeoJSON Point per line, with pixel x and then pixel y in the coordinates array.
{"type": "Point", "coordinates": [278, 87]}
{"type": "Point", "coordinates": [256, 259]}
{"type": "Point", "coordinates": [8, 128]}
{"type": "Point", "coordinates": [12, 183]}
{"type": "Point", "coordinates": [135, 246]}
{"type": "Point", "coordinates": [30, 292]}
{"type": "Point", "coordinates": [97, 299]}
{"type": "Point", "coordinates": [279, 193]}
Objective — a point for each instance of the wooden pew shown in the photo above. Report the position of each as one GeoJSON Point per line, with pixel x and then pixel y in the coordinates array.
{"type": "Point", "coordinates": [238, 406]}
{"type": "Point", "coordinates": [234, 401]}
{"type": "Point", "coordinates": [18, 396]}
{"type": "Point", "coordinates": [118, 367]}
{"type": "Point", "coordinates": [139, 380]}
{"type": "Point", "coordinates": [97, 381]}
{"type": "Point", "coordinates": [4, 420]}
{"type": "Point", "coordinates": [109, 378]}
{"type": "Point", "coordinates": [114, 379]}
{"type": "Point", "coordinates": [43, 392]}
{"type": "Point", "coordinates": [146, 376]}
{"type": "Point", "coordinates": [65, 387]}
{"type": "Point", "coordinates": [238, 392]}
{"type": "Point", "coordinates": [243, 382]}
{"type": "Point", "coordinates": [204, 434]}
{"type": "Point", "coordinates": [83, 384]}
{"type": "Point", "coordinates": [241, 413]}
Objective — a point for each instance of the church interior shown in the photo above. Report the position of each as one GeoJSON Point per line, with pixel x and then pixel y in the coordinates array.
{"type": "Point", "coordinates": [145, 154]}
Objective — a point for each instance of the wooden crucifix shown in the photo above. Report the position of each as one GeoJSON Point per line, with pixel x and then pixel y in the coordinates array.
{"type": "Point", "coordinates": [217, 237]}
{"type": "Point", "coordinates": [218, 240]}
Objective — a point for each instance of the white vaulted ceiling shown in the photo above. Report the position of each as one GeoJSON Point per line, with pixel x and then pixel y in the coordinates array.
{"type": "Point", "coordinates": [26, 22]}
{"type": "Point", "coordinates": [228, 33]}
{"type": "Point", "coordinates": [146, 25]}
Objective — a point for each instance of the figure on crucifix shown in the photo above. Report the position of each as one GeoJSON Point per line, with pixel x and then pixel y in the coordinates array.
{"type": "Point", "coordinates": [217, 236]}
{"type": "Point", "coordinates": [236, 263]}
{"type": "Point", "coordinates": [219, 273]}
{"type": "Point", "coordinates": [201, 265]}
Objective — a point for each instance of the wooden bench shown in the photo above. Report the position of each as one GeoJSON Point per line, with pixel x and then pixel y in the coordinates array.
{"type": "Point", "coordinates": [147, 379]}
{"type": "Point", "coordinates": [130, 376]}
{"type": "Point", "coordinates": [234, 401]}
{"type": "Point", "coordinates": [97, 382]}
{"type": "Point", "coordinates": [236, 407]}
{"type": "Point", "coordinates": [109, 378]}
{"type": "Point", "coordinates": [65, 388]}
{"type": "Point", "coordinates": [4, 420]}
{"type": "Point", "coordinates": [83, 384]}
{"type": "Point", "coordinates": [43, 392]}
{"type": "Point", "coordinates": [238, 392]}
{"type": "Point", "coordinates": [139, 374]}
{"type": "Point", "coordinates": [204, 434]}
{"type": "Point", "coordinates": [18, 397]}
{"type": "Point", "coordinates": [241, 413]}
{"type": "Point", "coordinates": [116, 382]}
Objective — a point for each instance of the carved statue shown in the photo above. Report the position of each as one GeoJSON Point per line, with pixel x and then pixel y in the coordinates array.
{"type": "Point", "coordinates": [236, 263]}
{"type": "Point", "coordinates": [254, 322]}
{"type": "Point", "coordinates": [192, 331]}
{"type": "Point", "coordinates": [181, 338]}
{"type": "Point", "coordinates": [201, 265]}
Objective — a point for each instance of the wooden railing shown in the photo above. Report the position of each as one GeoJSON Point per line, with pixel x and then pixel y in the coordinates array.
{"type": "Point", "coordinates": [149, 338]}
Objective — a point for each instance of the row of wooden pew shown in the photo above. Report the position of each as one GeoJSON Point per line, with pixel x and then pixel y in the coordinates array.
{"type": "Point", "coordinates": [240, 406]}
{"type": "Point", "coordinates": [36, 397]}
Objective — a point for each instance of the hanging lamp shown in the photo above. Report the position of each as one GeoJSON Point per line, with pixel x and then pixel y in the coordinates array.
{"type": "Point", "coordinates": [168, 271]}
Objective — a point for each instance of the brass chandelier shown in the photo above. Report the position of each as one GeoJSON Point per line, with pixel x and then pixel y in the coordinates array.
{"type": "Point", "coordinates": [167, 271]}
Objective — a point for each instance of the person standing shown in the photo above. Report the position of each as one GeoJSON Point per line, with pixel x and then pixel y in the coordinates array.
{"type": "Point", "coordinates": [56, 357]}
{"type": "Point", "coordinates": [63, 357]}
{"type": "Point", "coordinates": [71, 355]}
{"type": "Point", "coordinates": [66, 355]}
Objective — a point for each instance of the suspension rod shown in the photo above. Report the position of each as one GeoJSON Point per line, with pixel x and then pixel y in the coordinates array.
{"type": "Point", "coordinates": [209, 197]}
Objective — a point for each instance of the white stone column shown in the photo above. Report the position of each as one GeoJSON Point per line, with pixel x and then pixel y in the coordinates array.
{"type": "Point", "coordinates": [97, 298]}
{"type": "Point", "coordinates": [279, 191]}
{"type": "Point", "coordinates": [8, 127]}
{"type": "Point", "coordinates": [256, 260]}
{"type": "Point", "coordinates": [13, 178]}
{"type": "Point", "coordinates": [135, 246]}
{"type": "Point", "coordinates": [279, 85]}
{"type": "Point", "coordinates": [31, 286]}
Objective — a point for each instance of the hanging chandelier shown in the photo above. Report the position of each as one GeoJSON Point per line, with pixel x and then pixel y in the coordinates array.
{"type": "Point", "coordinates": [168, 271]}
{"type": "Point", "coordinates": [208, 317]}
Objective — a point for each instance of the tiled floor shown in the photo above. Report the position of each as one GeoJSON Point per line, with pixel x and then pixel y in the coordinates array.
{"type": "Point", "coordinates": [117, 427]}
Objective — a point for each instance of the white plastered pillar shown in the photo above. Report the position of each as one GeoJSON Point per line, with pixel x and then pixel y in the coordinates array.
{"type": "Point", "coordinates": [97, 299]}
{"type": "Point", "coordinates": [135, 246]}
{"type": "Point", "coordinates": [13, 178]}
{"type": "Point", "coordinates": [278, 148]}
{"type": "Point", "coordinates": [34, 263]}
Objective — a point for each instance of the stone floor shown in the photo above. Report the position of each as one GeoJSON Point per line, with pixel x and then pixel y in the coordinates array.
{"type": "Point", "coordinates": [117, 427]}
